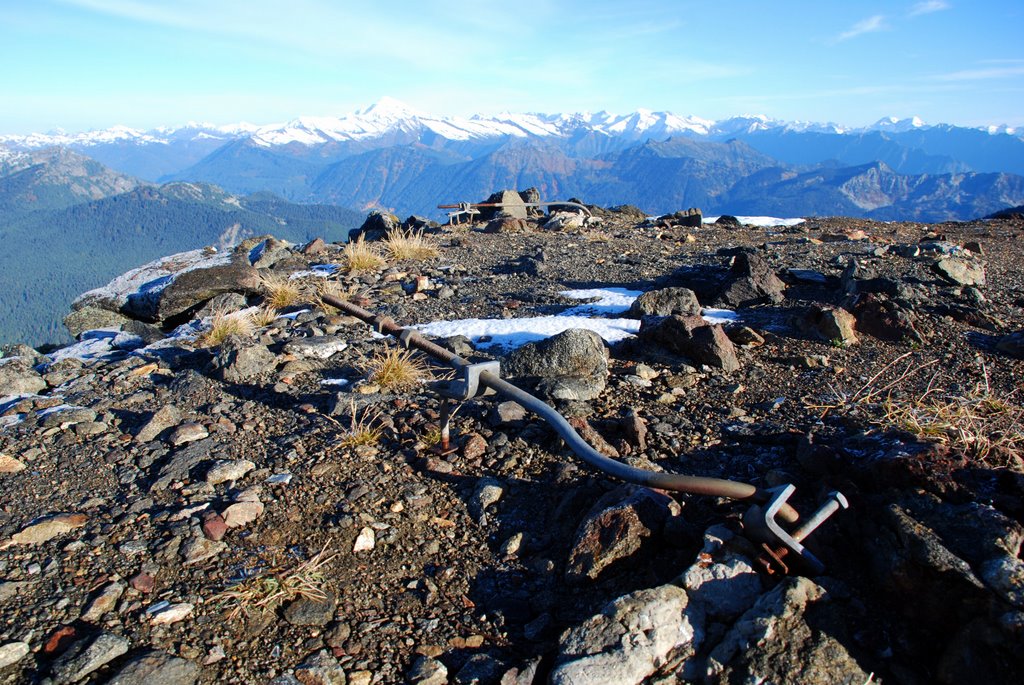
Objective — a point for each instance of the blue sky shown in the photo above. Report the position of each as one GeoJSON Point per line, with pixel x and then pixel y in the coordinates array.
{"type": "Point", "coordinates": [82, 64]}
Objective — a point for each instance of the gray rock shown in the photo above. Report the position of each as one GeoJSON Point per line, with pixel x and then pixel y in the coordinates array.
{"type": "Point", "coordinates": [427, 671]}
{"type": "Point", "coordinates": [723, 583]}
{"type": "Point", "coordinates": [480, 669]}
{"type": "Point", "coordinates": [627, 641]}
{"type": "Point", "coordinates": [512, 208]}
{"type": "Point", "coordinates": [241, 361]}
{"type": "Point", "coordinates": [268, 252]}
{"type": "Point", "coordinates": [507, 412]}
{"type": "Point", "coordinates": [692, 337]}
{"type": "Point", "coordinates": [488, 492]}
{"type": "Point", "coordinates": [960, 271]}
{"type": "Point", "coordinates": [198, 549]}
{"type": "Point", "coordinates": [305, 611]}
{"type": "Point", "coordinates": [162, 419]}
{"type": "Point", "coordinates": [13, 652]}
{"type": "Point", "coordinates": [88, 655]}
{"type": "Point", "coordinates": [182, 462]}
{"type": "Point", "coordinates": [17, 377]}
{"type": "Point", "coordinates": [103, 602]}
{"type": "Point", "coordinates": [664, 302]}
{"type": "Point", "coordinates": [573, 354]}
{"type": "Point", "coordinates": [89, 318]}
{"type": "Point", "coordinates": [187, 432]}
{"type": "Point", "coordinates": [172, 285]}
{"type": "Point", "coordinates": [223, 471]}
{"type": "Point", "coordinates": [320, 669]}
{"type": "Point", "coordinates": [776, 640]}
{"type": "Point", "coordinates": [618, 525]}
{"type": "Point", "coordinates": [316, 347]}
{"type": "Point", "coordinates": [156, 668]}
{"type": "Point", "coordinates": [1012, 344]}
{"type": "Point", "coordinates": [832, 324]}
{"type": "Point", "coordinates": [752, 281]}
{"type": "Point", "coordinates": [378, 224]}
{"type": "Point", "coordinates": [884, 319]}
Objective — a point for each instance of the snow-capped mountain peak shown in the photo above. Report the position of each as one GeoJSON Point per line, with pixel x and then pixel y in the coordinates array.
{"type": "Point", "coordinates": [897, 125]}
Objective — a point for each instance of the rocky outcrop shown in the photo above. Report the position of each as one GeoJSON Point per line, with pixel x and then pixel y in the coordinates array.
{"type": "Point", "coordinates": [569, 366]}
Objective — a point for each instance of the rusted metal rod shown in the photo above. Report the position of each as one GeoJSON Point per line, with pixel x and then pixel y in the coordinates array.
{"type": "Point", "coordinates": [697, 485]}
{"type": "Point", "coordinates": [473, 205]}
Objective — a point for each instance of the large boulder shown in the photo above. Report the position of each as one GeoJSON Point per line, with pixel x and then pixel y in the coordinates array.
{"type": "Point", "coordinates": [664, 302]}
{"type": "Point", "coordinates": [752, 281]}
{"type": "Point", "coordinates": [165, 289]}
{"type": "Point", "coordinates": [377, 225]}
{"type": "Point", "coordinates": [693, 337]}
{"type": "Point", "coordinates": [18, 377]}
{"type": "Point", "coordinates": [572, 365]}
{"type": "Point", "coordinates": [628, 641]}
{"type": "Point", "coordinates": [512, 207]}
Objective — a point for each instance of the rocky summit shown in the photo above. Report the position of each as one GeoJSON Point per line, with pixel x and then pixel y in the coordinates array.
{"type": "Point", "coordinates": [226, 480]}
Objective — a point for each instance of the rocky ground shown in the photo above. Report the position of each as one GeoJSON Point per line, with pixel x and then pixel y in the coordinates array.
{"type": "Point", "coordinates": [184, 513]}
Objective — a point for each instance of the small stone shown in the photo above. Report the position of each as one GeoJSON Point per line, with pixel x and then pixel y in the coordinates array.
{"type": "Point", "coordinates": [10, 464]}
{"type": "Point", "coordinates": [242, 513]}
{"type": "Point", "coordinates": [13, 652]}
{"type": "Point", "coordinates": [187, 432]}
{"type": "Point", "coordinates": [214, 527]}
{"type": "Point", "coordinates": [223, 471]}
{"type": "Point", "coordinates": [511, 546]}
{"type": "Point", "coordinates": [156, 668]}
{"type": "Point", "coordinates": [142, 582]}
{"type": "Point", "coordinates": [46, 528]}
{"type": "Point", "coordinates": [365, 541]}
{"type": "Point", "coordinates": [161, 420]}
{"type": "Point", "coordinates": [172, 614]}
{"type": "Point", "coordinates": [488, 492]}
{"type": "Point", "coordinates": [507, 412]}
{"type": "Point", "coordinates": [306, 611]}
{"type": "Point", "coordinates": [428, 671]}
{"type": "Point", "coordinates": [320, 669]}
{"type": "Point", "coordinates": [474, 446]}
{"type": "Point", "coordinates": [86, 656]}
{"type": "Point", "coordinates": [104, 602]}
{"type": "Point", "coordinates": [198, 549]}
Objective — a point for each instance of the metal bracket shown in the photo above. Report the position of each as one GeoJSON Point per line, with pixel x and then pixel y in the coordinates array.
{"type": "Point", "coordinates": [778, 543]}
{"type": "Point", "coordinates": [469, 386]}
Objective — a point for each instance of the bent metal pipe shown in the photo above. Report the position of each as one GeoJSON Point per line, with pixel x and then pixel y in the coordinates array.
{"type": "Point", "coordinates": [697, 485]}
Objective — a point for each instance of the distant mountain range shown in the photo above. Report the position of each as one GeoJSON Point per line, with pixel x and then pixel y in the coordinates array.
{"type": "Point", "coordinates": [68, 224]}
{"type": "Point", "coordinates": [77, 209]}
{"type": "Point", "coordinates": [392, 156]}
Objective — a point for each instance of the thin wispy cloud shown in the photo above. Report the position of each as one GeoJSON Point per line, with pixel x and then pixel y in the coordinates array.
{"type": "Point", "coordinates": [982, 74]}
{"type": "Point", "coordinates": [927, 7]}
{"type": "Point", "coordinates": [870, 25]}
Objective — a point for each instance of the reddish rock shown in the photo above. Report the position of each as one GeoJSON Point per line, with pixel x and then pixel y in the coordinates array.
{"type": "Point", "coordinates": [142, 582]}
{"type": "Point", "coordinates": [214, 527]}
{"type": "Point", "coordinates": [474, 446]}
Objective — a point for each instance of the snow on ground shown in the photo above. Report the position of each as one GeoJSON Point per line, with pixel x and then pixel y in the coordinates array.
{"type": "Point", "coordinates": [766, 221]}
{"type": "Point", "coordinates": [510, 333]}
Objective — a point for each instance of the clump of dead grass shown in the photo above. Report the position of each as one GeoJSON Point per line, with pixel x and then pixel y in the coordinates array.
{"type": "Point", "coordinates": [265, 591]}
{"type": "Point", "coordinates": [395, 369]}
{"type": "Point", "coordinates": [361, 256]}
{"type": "Point", "coordinates": [363, 429]}
{"type": "Point", "coordinates": [223, 325]}
{"type": "Point", "coordinates": [263, 317]}
{"type": "Point", "coordinates": [280, 291]}
{"type": "Point", "coordinates": [979, 423]}
{"type": "Point", "coordinates": [411, 245]}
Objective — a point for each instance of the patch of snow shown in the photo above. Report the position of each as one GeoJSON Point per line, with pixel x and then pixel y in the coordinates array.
{"type": "Point", "coordinates": [722, 316]}
{"type": "Point", "coordinates": [764, 221]}
{"type": "Point", "coordinates": [339, 382]}
{"type": "Point", "coordinates": [511, 333]}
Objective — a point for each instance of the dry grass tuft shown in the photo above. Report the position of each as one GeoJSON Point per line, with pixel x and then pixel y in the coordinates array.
{"type": "Point", "coordinates": [362, 430]}
{"type": "Point", "coordinates": [279, 291]}
{"type": "Point", "coordinates": [396, 369]}
{"type": "Point", "coordinates": [267, 591]}
{"type": "Point", "coordinates": [361, 256]}
{"type": "Point", "coordinates": [224, 325]}
{"type": "Point", "coordinates": [410, 246]}
{"type": "Point", "coordinates": [263, 317]}
{"type": "Point", "coordinates": [978, 423]}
